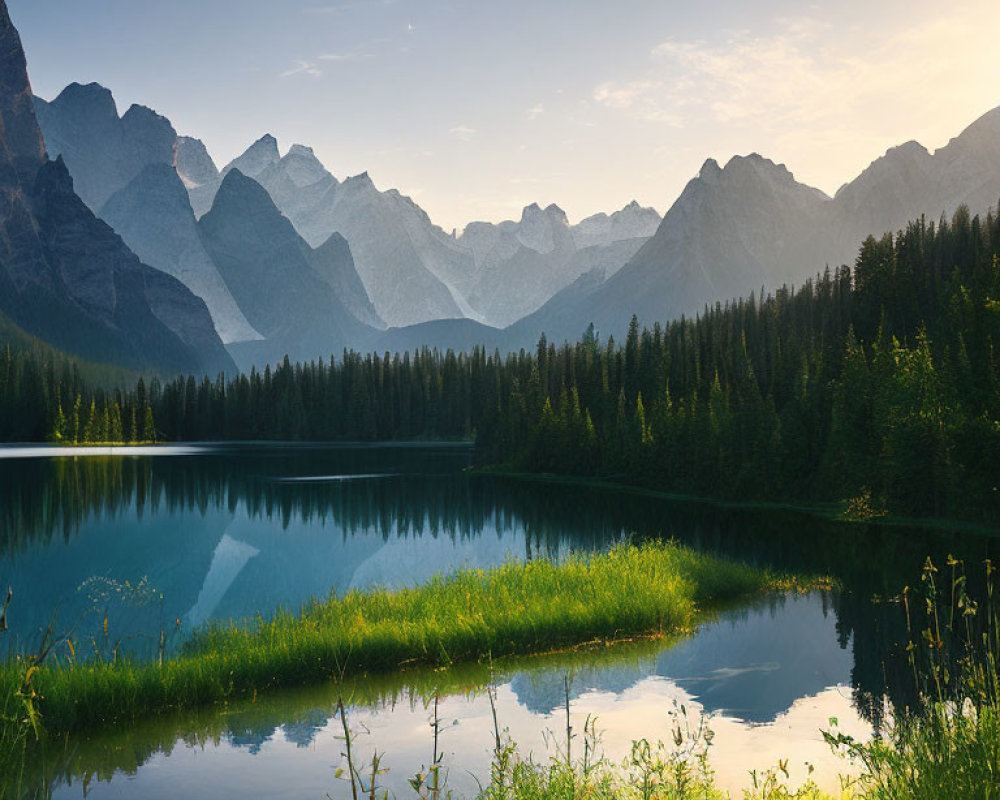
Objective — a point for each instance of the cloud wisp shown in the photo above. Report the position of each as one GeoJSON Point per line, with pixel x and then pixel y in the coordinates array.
{"type": "Point", "coordinates": [303, 67]}
{"type": "Point", "coordinates": [820, 95]}
{"type": "Point", "coordinates": [463, 132]}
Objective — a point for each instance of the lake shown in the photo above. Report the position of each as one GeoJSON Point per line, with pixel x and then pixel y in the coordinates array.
{"type": "Point", "coordinates": [129, 551]}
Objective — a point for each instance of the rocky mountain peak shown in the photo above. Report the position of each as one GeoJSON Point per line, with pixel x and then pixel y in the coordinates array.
{"type": "Point", "coordinates": [240, 192]}
{"type": "Point", "coordinates": [710, 170]}
{"type": "Point", "coordinates": [143, 115]}
{"type": "Point", "coordinates": [360, 182]}
{"type": "Point", "coordinates": [303, 168]}
{"type": "Point", "coordinates": [257, 157]}
{"type": "Point", "coordinates": [744, 175]}
{"type": "Point", "coordinates": [91, 100]}
{"type": "Point", "coordinates": [763, 167]}
{"type": "Point", "coordinates": [552, 210]}
{"type": "Point", "coordinates": [634, 211]}
{"type": "Point", "coordinates": [542, 230]}
{"type": "Point", "coordinates": [911, 149]}
{"type": "Point", "coordinates": [529, 210]}
{"type": "Point", "coordinates": [301, 150]}
{"type": "Point", "coordinates": [987, 127]}
{"type": "Point", "coordinates": [632, 221]}
{"type": "Point", "coordinates": [194, 164]}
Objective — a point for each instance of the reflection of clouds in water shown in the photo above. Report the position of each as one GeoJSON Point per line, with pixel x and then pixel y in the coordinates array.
{"type": "Point", "coordinates": [292, 750]}
{"type": "Point", "coordinates": [723, 673]}
{"type": "Point", "coordinates": [304, 752]}
{"type": "Point", "coordinates": [754, 662]}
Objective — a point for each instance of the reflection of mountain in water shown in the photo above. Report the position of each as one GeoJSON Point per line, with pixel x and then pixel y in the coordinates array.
{"type": "Point", "coordinates": [225, 537]}
{"type": "Point", "coordinates": [752, 663]}
{"type": "Point", "coordinates": [63, 520]}
{"type": "Point", "coordinates": [228, 560]}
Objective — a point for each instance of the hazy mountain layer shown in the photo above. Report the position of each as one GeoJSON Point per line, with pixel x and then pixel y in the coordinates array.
{"type": "Point", "coordinates": [154, 217]}
{"type": "Point", "coordinates": [750, 225]}
{"type": "Point", "coordinates": [400, 256]}
{"type": "Point", "coordinates": [520, 265]}
{"type": "Point", "coordinates": [285, 288]}
{"type": "Point", "coordinates": [733, 230]}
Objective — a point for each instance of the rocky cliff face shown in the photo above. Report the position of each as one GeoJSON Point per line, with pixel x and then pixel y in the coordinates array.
{"type": "Point", "coordinates": [155, 209]}
{"type": "Point", "coordinates": [65, 276]}
{"type": "Point", "coordinates": [395, 249]}
{"type": "Point", "coordinates": [334, 264]}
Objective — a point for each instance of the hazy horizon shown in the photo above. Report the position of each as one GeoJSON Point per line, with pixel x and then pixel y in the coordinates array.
{"type": "Point", "coordinates": [476, 111]}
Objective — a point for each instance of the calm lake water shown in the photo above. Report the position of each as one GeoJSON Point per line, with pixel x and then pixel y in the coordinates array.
{"type": "Point", "coordinates": [172, 539]}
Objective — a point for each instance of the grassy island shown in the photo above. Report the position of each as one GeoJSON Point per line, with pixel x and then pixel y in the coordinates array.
{"type": "Point", "coordinates": [519, 608]}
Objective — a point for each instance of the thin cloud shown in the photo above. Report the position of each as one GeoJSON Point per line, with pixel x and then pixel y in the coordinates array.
{"type": "Point", "coordinates": [463, 132]}
{"type": "Point", "coordinates": [343, 8]}
{"type": "Point", "coordinates": [536, 111]}
{"type": "Point", "coordinates": [345, 56]}
{"type": "Point", "coordinates": [803, 74]}
{"type": "Point", "coordinates": [303, 68]}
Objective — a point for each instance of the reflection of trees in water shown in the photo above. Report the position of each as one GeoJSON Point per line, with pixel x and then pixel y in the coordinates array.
{"type": "Point", "coordinates": [45, 498]}
{"type": "Point", "coordinates": [41, 499]}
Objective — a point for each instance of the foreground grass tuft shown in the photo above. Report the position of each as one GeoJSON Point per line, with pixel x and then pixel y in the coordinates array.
{"type": "Point", "coordinates": [470, 615]}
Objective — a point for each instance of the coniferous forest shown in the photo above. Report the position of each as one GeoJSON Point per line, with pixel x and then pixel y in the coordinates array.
{"type": "Point", "coordinates": [876, 384]}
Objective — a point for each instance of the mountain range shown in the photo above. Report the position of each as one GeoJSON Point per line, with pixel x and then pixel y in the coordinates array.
{"type": "Point", "coordinates": [65, 276]}
{"type": "Point", "coordinates": [751, 225]}
{"type": "Point", "coordinates": [288, 259]}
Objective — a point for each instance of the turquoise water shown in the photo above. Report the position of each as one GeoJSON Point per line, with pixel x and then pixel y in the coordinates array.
{"type": "Point", "coordinates": [169, 539]}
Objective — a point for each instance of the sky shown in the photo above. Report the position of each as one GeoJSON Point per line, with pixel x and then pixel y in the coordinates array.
{"type": "Point", "coordinates": [476, 108]}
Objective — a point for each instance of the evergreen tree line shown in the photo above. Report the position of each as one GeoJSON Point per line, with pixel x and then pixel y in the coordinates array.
{"type": "Point", "coordinates": [878, 382]}
{"type": "Point", "coordinates": [44, 397]}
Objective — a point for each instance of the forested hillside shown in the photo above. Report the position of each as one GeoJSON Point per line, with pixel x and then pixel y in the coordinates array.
{"type": "Point", "coordinates": [878, 383]}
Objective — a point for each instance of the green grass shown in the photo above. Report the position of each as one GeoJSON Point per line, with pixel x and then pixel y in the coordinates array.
{"type": "Point", "coordinates": [949, 745]}
{"type": "Point", "coordinates": [471, 615]}
{"type": "Point", "coordinates": [943, 752]}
